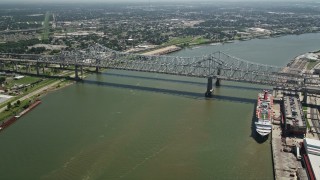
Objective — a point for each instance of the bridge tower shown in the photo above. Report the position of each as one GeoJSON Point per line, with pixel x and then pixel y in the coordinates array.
{"type": "Point", "coordinates": [218, 81]}
{"type": "Point", "coordinates": [209, 88]}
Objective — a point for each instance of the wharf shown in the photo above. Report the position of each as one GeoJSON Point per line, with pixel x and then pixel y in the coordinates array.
{"type": "Point", "coordinates": [285, 163]}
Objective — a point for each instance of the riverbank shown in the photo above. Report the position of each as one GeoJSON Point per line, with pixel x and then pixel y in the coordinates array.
{"type": "Point", "coordinates": [186, 43]}
{"type": "Point", "coordinates": [14, 105]}
{"type": "Point", "coordinates": [18, 104]}
{"type": "Point", "coordinates": [164, 50]}
{"type": "Point", "coordinates": [28, 107]}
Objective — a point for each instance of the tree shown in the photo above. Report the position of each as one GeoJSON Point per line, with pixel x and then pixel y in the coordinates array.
{"type": "Point", "coordinates": [9, 106]}
{"type": "Point", "coordinates": [2, 79]}
{"type": "Point", "coordinates": [18, 102]}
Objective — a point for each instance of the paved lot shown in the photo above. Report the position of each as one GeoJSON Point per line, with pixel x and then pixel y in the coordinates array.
{"type": "Point", "coordinates": [3, 98]}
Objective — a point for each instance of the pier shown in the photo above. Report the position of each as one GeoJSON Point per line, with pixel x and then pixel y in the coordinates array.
{"type": "Point", "coordinates": [287, 163]}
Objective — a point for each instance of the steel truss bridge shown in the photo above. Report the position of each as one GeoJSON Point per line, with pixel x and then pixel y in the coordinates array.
{"type": "Point", "coordinates": [218, 65]}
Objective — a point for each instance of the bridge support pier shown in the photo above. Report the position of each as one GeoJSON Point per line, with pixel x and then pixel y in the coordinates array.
{"type": "Point", "coordinates": [76, 73]}
{"type": "Point", "coordinates": [3, 65]}
{"type": "Point", "coordinates": [14, 67]}
{"type": "Point", "coordinates": [42, 68]}
{"type": "Point", "coordinates": [37, 69]}
{"type": "Point", "coordinates": [27, 68]}
{"type": "Point", "coordinates": [218, 81]}
{"type": "Point", "coordinates": [97, 65]}
{"type": "Point", "coordinates": [209, 88]}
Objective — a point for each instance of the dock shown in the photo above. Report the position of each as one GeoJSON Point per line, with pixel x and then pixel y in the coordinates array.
{"type": "Point", "coordinates": [286, 163]}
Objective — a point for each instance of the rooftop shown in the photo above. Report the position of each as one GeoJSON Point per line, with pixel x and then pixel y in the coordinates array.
{"type": "Point", "coordinates": [294, 111]}
{"type": "Point", "coordinates": [313, 150]}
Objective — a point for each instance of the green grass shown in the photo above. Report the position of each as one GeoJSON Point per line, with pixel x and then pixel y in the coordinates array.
{"type": "Point", "coordinates": [311, 64]}
{"type": "Point", "coordinates": [14, 110]}
{"type": "Point", "coordinates": [25, 80]}
{"type": "Point", "coordinates": [178, 40]}
{"type": "Point", "coordinates": [199, 40]}
{"type": "Point", "coordinates": [45, 33]}
{"type": "Point", "coordinates": [186, 40]}
{"type": "Point", "coordinates": [305, 108]}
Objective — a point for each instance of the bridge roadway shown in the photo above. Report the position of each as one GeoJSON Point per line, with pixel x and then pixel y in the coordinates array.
{"type": "Point", "coordinates": [218, 65]}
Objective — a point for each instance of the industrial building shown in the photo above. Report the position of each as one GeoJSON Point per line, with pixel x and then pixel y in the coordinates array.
{"type": "Point", "coordinates": [294, 119]}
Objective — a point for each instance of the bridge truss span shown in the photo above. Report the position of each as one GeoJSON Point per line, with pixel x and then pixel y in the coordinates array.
{"type": "Point", "coordinates": [218, 65]}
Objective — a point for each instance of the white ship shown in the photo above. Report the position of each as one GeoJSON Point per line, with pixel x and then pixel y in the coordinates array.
{"type": "Point", "coordinates": [264, 113]}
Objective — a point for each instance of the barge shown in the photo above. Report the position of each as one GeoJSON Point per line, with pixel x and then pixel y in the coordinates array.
{"type": "Point", "coordinates": [13, 119]}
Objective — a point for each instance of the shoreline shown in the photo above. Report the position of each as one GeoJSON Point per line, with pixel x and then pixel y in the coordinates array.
{"type": "Point", "coordinates": [32, 96]}
{"type": "Point", "coordinates": [163, 51]}
{"type": "Point", "coordinates": [218, 43]}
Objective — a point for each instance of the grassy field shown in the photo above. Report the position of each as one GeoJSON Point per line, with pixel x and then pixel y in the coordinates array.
{"type": "Point", "coordinates": [177, 41]}
{"type": "Point", "coordinates": [46, 29]}
{"type": "Point", "coordinates": [199, 40]}
{"type": "Point", "coordinates": [311, 64]}
{"type": "Point", "coordinates": [25, 80]}
{"type": "Point", "coordinates": [186, 40]}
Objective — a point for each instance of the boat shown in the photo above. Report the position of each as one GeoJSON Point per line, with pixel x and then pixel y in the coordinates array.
{"type": "Point", "coordinates": [264, 113]}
